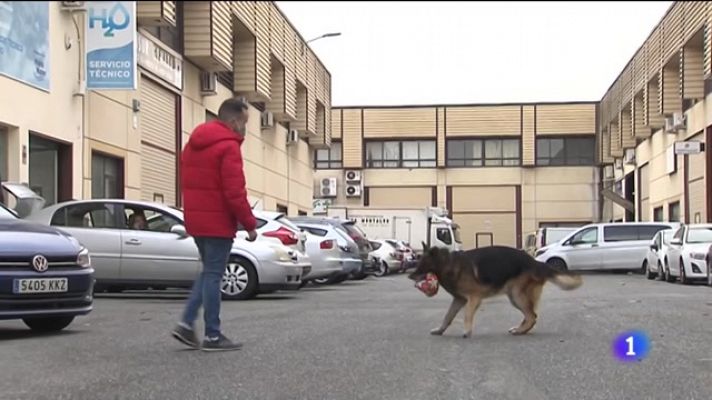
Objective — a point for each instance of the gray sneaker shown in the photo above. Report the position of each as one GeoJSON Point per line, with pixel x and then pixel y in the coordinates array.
{"type": "Point", "coordinates": [185, 336]}
{"type": "Point", "coordinates": [221, 343]}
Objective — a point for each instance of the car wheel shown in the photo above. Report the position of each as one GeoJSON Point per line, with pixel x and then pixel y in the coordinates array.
{"type": "Point", "coordinates": [382, 269]}
{"type": "Point", "coordinates": [648, 273]}
{"type": "Point", "coordinates": [661, 272]}
{"type": "Point", "coordinates": [709, 274]}
{"type": "Point", "coordinates": [683, 278]}
{"type": "Point", "coordinates": [668, 276]}
{"type": "Point", "coordinates": [48, 324]}
{"type": "Point", "coordinates": [557, 264]}
{"type": "Point", "coordinates": [239, 282]}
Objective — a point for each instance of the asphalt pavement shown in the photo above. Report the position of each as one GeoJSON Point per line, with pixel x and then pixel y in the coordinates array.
{"type": "Point", "coordinates": [369, 340]}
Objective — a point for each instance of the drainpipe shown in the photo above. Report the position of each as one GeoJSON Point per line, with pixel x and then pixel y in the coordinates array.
{"type": "Point", "coordinates": [81, 92]}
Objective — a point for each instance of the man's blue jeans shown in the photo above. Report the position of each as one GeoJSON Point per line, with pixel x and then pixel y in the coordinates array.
{"type": "Point", "coordinates": [214, 254]}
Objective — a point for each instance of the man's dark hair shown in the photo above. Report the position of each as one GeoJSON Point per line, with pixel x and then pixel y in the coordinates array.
{"type": "Point", "coordinates": [231, 108]}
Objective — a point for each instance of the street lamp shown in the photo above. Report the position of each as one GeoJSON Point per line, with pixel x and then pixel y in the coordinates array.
{"type": "Point", "coordinates": [326, 35]}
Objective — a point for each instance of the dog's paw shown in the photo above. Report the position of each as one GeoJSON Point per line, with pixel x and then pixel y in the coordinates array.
{"type": "Point", "coordinates": [437, 332]}
{"type": "Point", "coordinates": [515, 331]}
{"type": "Point", "coordinates": [466, 335]}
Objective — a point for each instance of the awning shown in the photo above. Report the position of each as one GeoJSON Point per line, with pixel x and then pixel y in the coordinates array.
{"type": "Point", "coordinates": [616, 198]}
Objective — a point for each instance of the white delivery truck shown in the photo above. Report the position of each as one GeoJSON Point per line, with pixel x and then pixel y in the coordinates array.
{"type": "Point", "coordinates": [414, 226]}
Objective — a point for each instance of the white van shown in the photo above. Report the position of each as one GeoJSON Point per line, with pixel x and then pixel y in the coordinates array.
{"type": "Point", "coordinates": [604, 246]}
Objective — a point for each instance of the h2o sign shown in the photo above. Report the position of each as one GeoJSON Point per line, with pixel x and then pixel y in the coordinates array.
{"type": "Point", "coordinates": [115, 19]}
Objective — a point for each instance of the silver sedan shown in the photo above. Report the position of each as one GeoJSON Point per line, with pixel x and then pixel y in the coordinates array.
{"type": "Point", "coordinates": [161, 254]}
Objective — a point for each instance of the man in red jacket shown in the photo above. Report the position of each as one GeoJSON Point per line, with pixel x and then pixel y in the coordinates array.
{"type": "Point", "coordinates": [215, 202]}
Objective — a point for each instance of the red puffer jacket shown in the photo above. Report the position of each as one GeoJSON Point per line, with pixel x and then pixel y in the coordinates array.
{"type": "Point", "coordinates": [213, 183]}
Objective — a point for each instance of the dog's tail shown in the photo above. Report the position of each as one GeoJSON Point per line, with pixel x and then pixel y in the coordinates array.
{"type": "Point", "coordinates": [565, 280]}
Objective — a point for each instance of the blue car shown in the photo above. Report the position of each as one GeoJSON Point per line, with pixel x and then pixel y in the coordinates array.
{"type": "Point", "coordinates": [46, 278]}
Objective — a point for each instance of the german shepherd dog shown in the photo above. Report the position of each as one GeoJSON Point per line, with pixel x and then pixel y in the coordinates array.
{"type": "Point", "coordinates": [473, 275]}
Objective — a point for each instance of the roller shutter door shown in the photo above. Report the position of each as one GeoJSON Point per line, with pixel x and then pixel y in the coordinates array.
{"type": "Point", "coordinates": [486, 215]}
{"type": "Point", "coordinates": [158, 143]}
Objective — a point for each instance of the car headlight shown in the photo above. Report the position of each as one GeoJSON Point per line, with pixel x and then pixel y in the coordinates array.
{"type": "Point", "coordinates": [83, 258]}
{"type": "Point", "coordinates": [698, 256]}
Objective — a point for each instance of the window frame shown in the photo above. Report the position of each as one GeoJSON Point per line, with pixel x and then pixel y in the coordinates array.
{"type": "Point", "coordinates": [566, 158]}
{"type": "Point", "coordinates": [331, 162]}
{"type": "Point", "coordinates": [88, 208]}
{"type": "Point", "coordinates": [120, 178]}
{"type": "Point", "coordinates": [483, 152]}
{"type": "Point", "coordinates": [400, 161]}
{"type": "Point", "coordinates": [671, 206]}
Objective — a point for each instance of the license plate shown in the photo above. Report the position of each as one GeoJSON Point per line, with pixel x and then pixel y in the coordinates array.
{"type": "Point", "coordinates": [43, 285]}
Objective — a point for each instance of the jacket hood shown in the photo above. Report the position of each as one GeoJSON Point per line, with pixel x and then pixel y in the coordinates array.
{"type": "Point", "coordinates": [210, 133]}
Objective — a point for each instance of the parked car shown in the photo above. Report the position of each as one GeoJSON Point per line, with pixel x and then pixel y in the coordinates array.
{"type": "Point", "coordinates": [344, 255]}
{"type": "Point", "coordinates": [654, 263]}
{"type": "Point", "coordinates": [544, 237]}
{"type": "Point", "coordinates": [325, 258]}
{"type": "Point", "coordinates": [359, 245]}
{"type": "Point", "coordinates": [604, 246]}
{"type": "Point", "coordinates": [162, 254]}
{"type": "Point", "coordinates": [389, 258]}
{"type": "Point", "coordinates": [276, 226]}
{"type": "Point", "coordinates": [709, 265]}
{"type": "Point", "coordinates": [46, 277]}
{"type": "Point", "coordinates": [687, 255]}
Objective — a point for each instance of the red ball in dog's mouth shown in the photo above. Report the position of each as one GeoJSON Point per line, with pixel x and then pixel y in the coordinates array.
{"type": "Point", "coordinates": [429, 286]}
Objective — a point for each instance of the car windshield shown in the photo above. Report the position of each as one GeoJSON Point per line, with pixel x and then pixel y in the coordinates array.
{"type": "Point", "coordinates": [554, 236]}
{"type": "Point", "coordinates": [456, 234]}
{"type": "Point", "coordinates": [5, 213]}
{"type": "Point", "coordinates": [289, 224]}
{"type": "Point", "coordinates": [700, 235]}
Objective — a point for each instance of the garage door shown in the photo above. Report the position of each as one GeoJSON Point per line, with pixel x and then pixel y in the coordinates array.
{"type": "Point", "coordinates": [486, 215]}
{"type": "Point", "coordinates": [400, 197]}
{"type": "Point", "coordinates": [158, 143]}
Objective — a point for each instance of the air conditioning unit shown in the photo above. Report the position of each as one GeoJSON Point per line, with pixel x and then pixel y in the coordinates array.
{"type": "Point", "coordinates": [679, 121]}
{"type": "Point", "coordinates": [267, 119]}
{"type": "Point", "coordinates": [618, 163]}
{"type": "Point", "coordinates": [629, 157]}
{"type": "Point", "coordinates": [327, 188]}
{"type": "Point", "coordinates": [292, 137]}
{"type": "Point", "coordinates": [353, 190]}
{"type": "Point", "coordinates": [208, 83]}
{"type": "Point", "coordinates": [608, 172]}
{"type": "Point", "coordinates": [73, 6]}
{"type": "Point", "coordinates": [670, 125]}
{"type": "Point", "coordinates": [352, 176]}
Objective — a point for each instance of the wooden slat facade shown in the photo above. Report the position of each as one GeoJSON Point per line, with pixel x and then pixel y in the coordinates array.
{"type": "Point", "coordinates": [440, 128]}
{"type": "Point", "coordinates": [566, 119]}
{"type": "Point", "coordinates": [399, 122]}
{"type": "Point", "coordinates": [352, 144]}
{"type": "Point", "coordinates": [208, 34]}
{"type": "Point", "coordinates": [663, 74]}
{"type": "Point", "coordinates": [528, 135]}
{"type": "Point", "coordinates": [156, 13]}
{"type": "Point", "coordinates": [483, 121]}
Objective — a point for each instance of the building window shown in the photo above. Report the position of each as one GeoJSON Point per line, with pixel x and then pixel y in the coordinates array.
{"type": "Point", "coordinates": [301, 213]}
{"type": "Point", "coordinates": [565, 151]}
{"type": "Point", "coordinates": [483, 152]}
{"type": "Point", "coordinates": [658, 214]}
{"type": "Point", "coordinates": [282, 209]}
{"type": "Point", "coordinates": [328, 158]}
{"type": "Point", "coordinates": [44, 168]}
{"type": "Point", "coordinates": [674, 212]}
{"type": "Point", "coordinates": [401, 154]}
{"type": "Point", "coordinates": [106, 177]}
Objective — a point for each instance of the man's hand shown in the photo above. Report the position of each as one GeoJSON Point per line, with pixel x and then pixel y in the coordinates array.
{"type": "Point", "coordinates": [251, 236]}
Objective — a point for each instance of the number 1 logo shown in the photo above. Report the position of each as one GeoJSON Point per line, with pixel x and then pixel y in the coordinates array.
{"type": "Point", "coordinates": [631, 346]}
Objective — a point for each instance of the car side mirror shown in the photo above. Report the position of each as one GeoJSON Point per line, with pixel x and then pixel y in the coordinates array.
{"type": "Point", "coordinates": [654, 247]}
{"type": "Point", "coordinates": [179, 230]}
